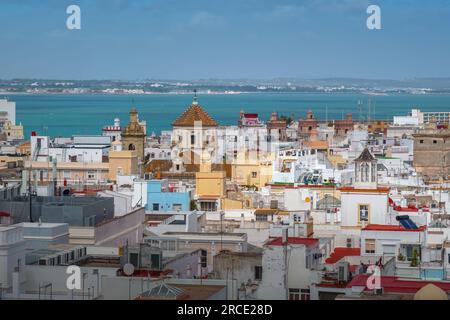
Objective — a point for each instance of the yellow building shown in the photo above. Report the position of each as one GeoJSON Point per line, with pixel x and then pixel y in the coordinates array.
{"type": "Point", "coordinates": [10, 162]}
{"type": "Point", "coordinates": [209, 186]}
{"type": "Point", "coordinates": [13, 132]}
{"type": "Point", "coordinates": [252, 168]}
{"type": "Point", "coordinates": [208, 183]}
{"type": "Point", "coordinates": [230, 204]}
{"type": "Point", "coordinates": [121, 162]}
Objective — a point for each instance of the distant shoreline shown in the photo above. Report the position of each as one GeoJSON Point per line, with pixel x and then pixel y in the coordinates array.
{"type": "Point", "coordinates": [372, 94]}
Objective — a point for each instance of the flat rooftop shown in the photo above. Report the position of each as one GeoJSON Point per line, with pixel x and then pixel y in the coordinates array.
{"type": "Point", "coordinates": [62, 201]}
{"type": "Point", "coordinates": [42, 225]}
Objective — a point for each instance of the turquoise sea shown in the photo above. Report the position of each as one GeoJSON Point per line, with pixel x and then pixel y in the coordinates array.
{"type": "Point", "coordinates": [67, 114]}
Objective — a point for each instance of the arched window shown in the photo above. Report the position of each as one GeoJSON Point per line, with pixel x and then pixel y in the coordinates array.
{"type": "Point", "coordinates": [131, 147]}
{"type": "Point", "coordinates": [364, 172]}
{"type": "Point", "coordinates": [374, 173]}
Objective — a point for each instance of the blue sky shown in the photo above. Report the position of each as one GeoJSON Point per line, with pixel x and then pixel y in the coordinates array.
{"type": "Point", "coordinates": [192, 39]}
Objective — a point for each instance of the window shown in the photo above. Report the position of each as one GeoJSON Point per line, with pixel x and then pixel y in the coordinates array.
{"type": "Point", "coordinates": [168, 245]}
{"type": "Point", "coordinates": [258, 272]}
{"type": "Point", "coordinates": [254, 174]}
{"type": "Point", "coordinates": [261, 217]}
{"type": "Point", "coordinates": [304, 294]}
{"type": "Point", "coordinates": [154, 258]}
{"type": "Point", "coordinates": [365, 172]}
{"type": "Point", "coordinates": [208, 206]}
{"type": "Point", "coordinates": [421, 141]}
{"type": "Point", "coordinates": [363, 212]}
{"type": "Point", "coordinates": [349, 242]}
{"type": "Point", "coordinates": [299, 294]}
{"type": "Point", "coordinates": [91, 174]}
{"type": "Point", "coordinates": [370, 245]}
{"type": "Point", "coordinates": [410, 252]}
{"type": "Point", "coordinates": [273, 204]}
{"type": "Point", "coordinates": [134, 259]}
{"type": "Point", "coordinates": [203, 258]}
{"type": "Point", "coordinates": [66, 174]}
{"type": "Point", "coordinates": [176, 207]}
{"type": "Point", "coordinates": [294, 294]}
{"type": "Point", "coordinates": [449, 258]}
{"type": "Point", "coordinates": [434, 141]}
{"type": "Point", "coordinates": [156, 207]}
{"type": "Point", "coordinates": [178, 167]}
{"type": "Point", "coordinates": [192, 139]}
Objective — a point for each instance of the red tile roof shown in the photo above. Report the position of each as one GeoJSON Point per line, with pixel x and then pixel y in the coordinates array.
{"type": "Point", "coordinates": [340, 253]}
{"type": "Point", "coordinates": [407, 209]}
{"type": "Point", "coordinates": [385, 227]}
{"type": "Point", "coordinates": [194, 113]}
{"type": "Point", "coordinates": [396, 285]}
{"type": "Point", "coordinates": [309, 242]}
{"type": "Point", "coordinates": [367, 190]}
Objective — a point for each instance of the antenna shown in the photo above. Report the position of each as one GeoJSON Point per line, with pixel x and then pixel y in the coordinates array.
{"type": "Point", "coordinates": [360, 108]}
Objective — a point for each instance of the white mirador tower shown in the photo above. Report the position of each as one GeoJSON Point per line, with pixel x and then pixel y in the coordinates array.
{"type": "Point", "coordinates": [366, 171]}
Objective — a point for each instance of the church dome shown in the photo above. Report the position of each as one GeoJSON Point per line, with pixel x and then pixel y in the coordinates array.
{"type": "Point", "coordinates": [430, 292]}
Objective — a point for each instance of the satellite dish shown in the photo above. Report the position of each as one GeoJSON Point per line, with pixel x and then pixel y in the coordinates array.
{"type": "Point", "coordinates": [128, 269]}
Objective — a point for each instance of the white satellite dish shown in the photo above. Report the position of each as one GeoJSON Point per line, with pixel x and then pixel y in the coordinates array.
{"type": "Point", "coordinates": [128, 269]}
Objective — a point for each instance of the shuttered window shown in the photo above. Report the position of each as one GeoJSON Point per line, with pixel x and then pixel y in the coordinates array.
{"type": "Point", "coordinates": [370, 246]}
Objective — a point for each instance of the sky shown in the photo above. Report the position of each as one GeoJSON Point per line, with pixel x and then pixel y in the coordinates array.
{"type": "Point", "coordinates": [224, 39]}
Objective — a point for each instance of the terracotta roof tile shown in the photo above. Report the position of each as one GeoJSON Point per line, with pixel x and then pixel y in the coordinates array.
{"type": "Point", "coordinates": [340, 253]}
{"type": "Point", "coordinates": [309, 242]}
{"type": "Point", "coordinates": [392, 284]}
{"type": "Point", "coordinates": [194, 113]}
{"type": "Point", "coordinates": [382, 227]}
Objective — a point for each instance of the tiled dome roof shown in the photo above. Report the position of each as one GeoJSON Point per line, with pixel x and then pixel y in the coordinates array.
{"type": "Point", "coordinates": [194, 113]}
